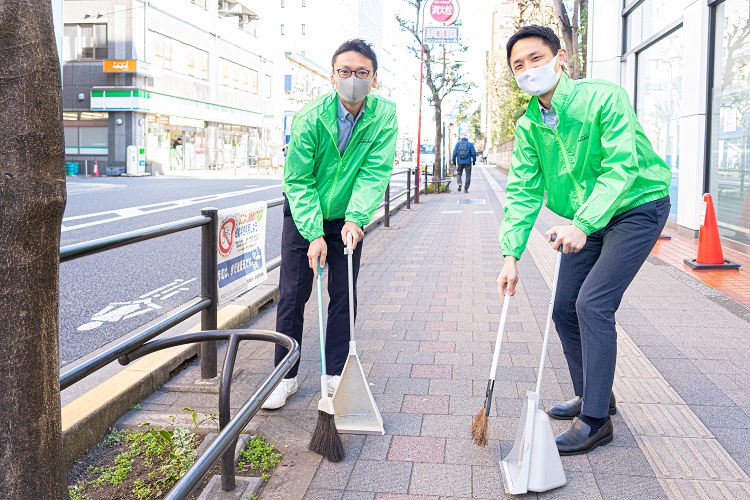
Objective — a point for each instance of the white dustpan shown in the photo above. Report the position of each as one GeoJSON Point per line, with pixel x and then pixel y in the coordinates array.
{"type": "Point", "coordinates": [533, 463]}
{"type": "Point", "coordinates": [356, 411]}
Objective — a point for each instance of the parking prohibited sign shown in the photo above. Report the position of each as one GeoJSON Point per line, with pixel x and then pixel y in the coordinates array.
{"type": "Point", "coordinates": [241, 247]}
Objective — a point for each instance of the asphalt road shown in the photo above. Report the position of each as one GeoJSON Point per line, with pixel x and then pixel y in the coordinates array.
{"type": "Point", "coordinates": [108, 296]}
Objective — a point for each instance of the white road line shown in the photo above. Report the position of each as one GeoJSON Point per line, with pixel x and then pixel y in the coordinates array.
{"type": "Point", "coordinates": [130, 212]}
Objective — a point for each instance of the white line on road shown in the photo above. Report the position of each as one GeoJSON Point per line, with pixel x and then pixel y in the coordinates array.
{"type": "Point", "coordinates": [130, 212]}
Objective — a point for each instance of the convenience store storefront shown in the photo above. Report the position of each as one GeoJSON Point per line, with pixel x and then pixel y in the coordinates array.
{"type": "Point", "coordinates": [184, 134]}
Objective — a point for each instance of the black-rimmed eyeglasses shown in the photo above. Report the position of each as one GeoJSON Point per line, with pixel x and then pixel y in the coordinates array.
{"type": "Point", "coordinates": [362, 74]}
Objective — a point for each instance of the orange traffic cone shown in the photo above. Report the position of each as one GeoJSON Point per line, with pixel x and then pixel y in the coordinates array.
{"type": "Point", "coordinates": [710, 255]}
{"type": "Point", "coordinates": [96, 168]}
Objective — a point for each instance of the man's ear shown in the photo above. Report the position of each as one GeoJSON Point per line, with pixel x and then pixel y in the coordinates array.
{"type": "Point", "coordinates": [375, 80]}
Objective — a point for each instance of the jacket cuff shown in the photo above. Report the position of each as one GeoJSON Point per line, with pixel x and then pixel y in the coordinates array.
{"type": "Point", "coordinates": [586, 228]}
{"type": "Point", "coordinates": [358, 220]}
{"type": "Point", "coordinates": [312, 235]}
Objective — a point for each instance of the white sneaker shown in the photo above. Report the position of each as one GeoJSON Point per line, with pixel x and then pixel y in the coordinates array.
{"type": "Point", "coordinates": [333, 383]}
{"type": "Point", "coordinates": [278, 397]}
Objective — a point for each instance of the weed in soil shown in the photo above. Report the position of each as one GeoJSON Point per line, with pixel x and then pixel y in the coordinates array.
{"type": "Point", "coordinates": [145, 465]}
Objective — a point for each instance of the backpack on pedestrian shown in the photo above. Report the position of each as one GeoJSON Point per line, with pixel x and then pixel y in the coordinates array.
{"type": "Point", "coordinates": [463, 152]}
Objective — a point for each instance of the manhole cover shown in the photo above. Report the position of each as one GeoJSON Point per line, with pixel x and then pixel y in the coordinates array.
{"type": "Point", "coordinates": [475, 201]}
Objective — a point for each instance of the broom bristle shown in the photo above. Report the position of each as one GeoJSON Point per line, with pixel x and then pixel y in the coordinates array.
{"type": "Point", "coordinates": [325, 439]}
{"type": "Point", "coordinates": [479, 428]}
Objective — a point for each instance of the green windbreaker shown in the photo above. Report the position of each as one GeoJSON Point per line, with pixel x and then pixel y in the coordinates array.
{"type": "Point", "coordinates": [598, 164]}
{"type": "Point", "coordinates": [320, 183]}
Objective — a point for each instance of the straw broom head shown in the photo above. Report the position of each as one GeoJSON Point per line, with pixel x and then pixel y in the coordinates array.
{"type": "Point", "coordinates": [326, 440]}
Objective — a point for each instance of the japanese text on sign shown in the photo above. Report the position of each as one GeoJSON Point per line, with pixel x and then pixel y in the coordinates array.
{"type": "Point", "coordinates": [241, 263]}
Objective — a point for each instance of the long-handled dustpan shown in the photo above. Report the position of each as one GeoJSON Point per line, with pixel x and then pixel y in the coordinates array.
{"type": "Point", "coordinates": [356, 411]}
{"type": "Point", "coordinates": [533, 463]}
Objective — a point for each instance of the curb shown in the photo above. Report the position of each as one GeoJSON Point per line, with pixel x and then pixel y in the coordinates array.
{"type": "Point", "coordinates": [87, 419]}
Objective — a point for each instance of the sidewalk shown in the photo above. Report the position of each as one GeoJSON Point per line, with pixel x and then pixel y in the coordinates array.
{"type": "Point", "coordinates": [428, 316]}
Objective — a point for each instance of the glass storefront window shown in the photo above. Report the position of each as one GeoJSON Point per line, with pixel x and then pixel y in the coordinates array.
{"type": "Point", "coordinates": [649, 18]}
{"type": "Point", "coordinates": [658, 96]}
{"type": "Point", "coordinates": [730, 121]}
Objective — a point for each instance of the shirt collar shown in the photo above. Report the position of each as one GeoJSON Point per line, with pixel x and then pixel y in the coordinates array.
{"type": "Point", "coordinates": [343, 112]}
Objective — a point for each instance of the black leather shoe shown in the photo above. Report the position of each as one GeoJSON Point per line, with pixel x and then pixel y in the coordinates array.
{"type": "Point", "coordinates": [572, 408]}
{"type": "Point", "coordinates": [576, 440]}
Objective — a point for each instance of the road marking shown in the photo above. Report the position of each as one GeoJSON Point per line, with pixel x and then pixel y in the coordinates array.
{"type": "Point", "coordinates": [82, 187]}
{"type": "Point", "coordinates": [118, 311]}
{"type": "Point", "coordinates": [130, 212]}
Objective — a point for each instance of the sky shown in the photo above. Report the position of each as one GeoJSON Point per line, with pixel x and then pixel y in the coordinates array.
{"type": "Point", "coordinates": [475, 32]}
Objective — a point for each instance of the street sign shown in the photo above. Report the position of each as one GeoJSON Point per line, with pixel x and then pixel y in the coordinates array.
{"type": "Point", "coordinates": [444, 11]}
{"type": "Point", "coordinates": [441, 34]}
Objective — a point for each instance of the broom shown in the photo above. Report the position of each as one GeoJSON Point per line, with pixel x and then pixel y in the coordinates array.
{"type": "Point", "coordinates": [325, 439]}
{"type": "Point", "coordinates": [479, 425]}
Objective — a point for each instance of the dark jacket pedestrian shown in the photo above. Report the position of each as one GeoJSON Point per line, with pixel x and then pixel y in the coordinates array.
{"type": "Point", "coordinates": [464, 156]}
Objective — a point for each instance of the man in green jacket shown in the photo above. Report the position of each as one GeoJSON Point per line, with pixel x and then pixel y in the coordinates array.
{"type": "Point", "coordinates": [338, 164]}
{"type": "Point", "coordinates": [580, 143]}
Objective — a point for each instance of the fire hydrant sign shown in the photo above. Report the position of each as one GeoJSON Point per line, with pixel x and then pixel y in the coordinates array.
{"type": "Point", "coordinates": [242, 249]}
{"type": "Point", "coordinates": [444, 11]}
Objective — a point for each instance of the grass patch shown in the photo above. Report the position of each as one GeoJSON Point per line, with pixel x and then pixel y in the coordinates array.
{"type": "Point", "coordinates": [433, 188]}
{"type": "Point", "coordinates": [146, 464]}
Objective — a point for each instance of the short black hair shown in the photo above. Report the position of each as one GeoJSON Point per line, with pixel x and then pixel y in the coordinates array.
{"type": "Point", "coordinates": [357, 45]}
{"type": "Point", "coordinates": [548, 37]}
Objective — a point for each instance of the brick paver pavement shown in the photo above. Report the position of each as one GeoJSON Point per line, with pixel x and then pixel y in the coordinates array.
{"type": "Point", "coordinates": [428, 316]}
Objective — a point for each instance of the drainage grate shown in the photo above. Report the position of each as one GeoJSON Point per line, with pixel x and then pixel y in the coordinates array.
{"type": "Point", "coordinates": [475, 201]}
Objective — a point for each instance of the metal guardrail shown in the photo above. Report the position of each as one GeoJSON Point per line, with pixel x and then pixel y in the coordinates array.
{"type": "Point", "coordinates": [225, 443]}
{"type": "Point", "coordinates": [143, 342]}
{"type": "Point", "coordinates": [206, 304]}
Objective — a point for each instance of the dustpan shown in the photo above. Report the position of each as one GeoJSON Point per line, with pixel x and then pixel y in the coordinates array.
{"type": "Point", "coordinates": [533, 463]}
{"type": "Point", "coordinates": [356, 411]}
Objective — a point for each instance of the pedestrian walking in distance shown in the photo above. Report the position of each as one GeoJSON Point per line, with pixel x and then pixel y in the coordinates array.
{"type": "Point", "coordinates": [464, 156]}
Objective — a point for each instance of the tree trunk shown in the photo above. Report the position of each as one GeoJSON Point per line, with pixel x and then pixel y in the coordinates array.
{"type": "Point", "coordinates": [32, 201]}
{"type": "Point", "coordinates": [570, 37]}
{"type": "Point", "coordinates": [584, 26]}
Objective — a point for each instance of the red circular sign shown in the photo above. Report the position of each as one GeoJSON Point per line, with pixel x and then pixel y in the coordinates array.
{"type": "Point", "coordinates": [442, 10]}
{"type": "Point", "coordinates": [226, 236]}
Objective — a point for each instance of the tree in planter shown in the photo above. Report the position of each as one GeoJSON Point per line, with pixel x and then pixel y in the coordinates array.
{"type": "Point", "coordinates": [32, 201]}
{"type": "Point", "coordinates": [442, 74]}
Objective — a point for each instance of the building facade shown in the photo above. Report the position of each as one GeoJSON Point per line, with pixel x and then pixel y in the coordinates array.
{"type": "Point", "coordinates": [304, 34]}
{"type": "Point", "coordinates": [186, 82]}
{"type": "Point", "coordinates": [686, 67]}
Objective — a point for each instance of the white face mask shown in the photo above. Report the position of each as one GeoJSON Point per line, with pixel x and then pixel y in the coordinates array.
{"type": "Point", "coordinates": [538, 81]}
{"type": "Point", "coordinates": [352, 90]}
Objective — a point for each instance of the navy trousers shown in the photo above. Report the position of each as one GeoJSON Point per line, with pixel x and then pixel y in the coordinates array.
{"type": "Point", "coordinates": [589, 291]}
{"type": "Point", "coordinates": [295, 287]}
{"type": "Point", "coordinates": [461, 168]}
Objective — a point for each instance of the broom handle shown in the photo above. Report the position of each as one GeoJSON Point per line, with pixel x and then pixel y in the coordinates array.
{"type": "Point", "coordinates": [499, 340]}
{"type": "Point", "coordinates": [549, 321]}
{"type": "Point", "coordinates": [350, 266]}
{"type": "Point", "coordinates": [319, 283]}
